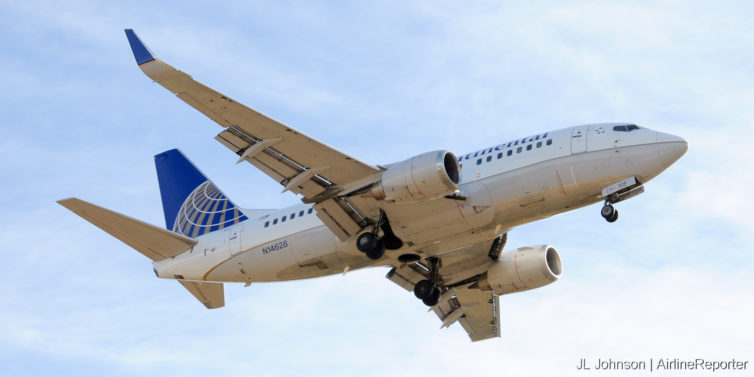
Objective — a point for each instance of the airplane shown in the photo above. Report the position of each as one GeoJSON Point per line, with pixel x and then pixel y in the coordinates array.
{"type": "Point", "coordinates": [438, 222]}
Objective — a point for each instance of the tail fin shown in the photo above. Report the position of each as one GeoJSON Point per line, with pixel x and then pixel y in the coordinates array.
{"type": "Point", "coordinates": [193, 205]}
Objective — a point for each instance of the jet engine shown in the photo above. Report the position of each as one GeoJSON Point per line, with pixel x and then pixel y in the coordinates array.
{"type": "Point", "coordinates": [427, 176]}
{"type": "Point", "coordinates": [523, 269]}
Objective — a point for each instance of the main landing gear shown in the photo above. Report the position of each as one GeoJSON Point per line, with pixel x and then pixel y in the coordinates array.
{"type": "Point", "coordinates": [373, 245]}
{"type": "Point", "coordinates": [609, 212]}
{"type": "Point", "coordinates": [427, 290]}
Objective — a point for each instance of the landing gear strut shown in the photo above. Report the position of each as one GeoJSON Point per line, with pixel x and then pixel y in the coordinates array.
{"type": "Point", "coordinates": [426, 290]}
{"type": "Point", "coordinates": [618, 192]}
{"type": "Point", "coordinates": [609, 212]}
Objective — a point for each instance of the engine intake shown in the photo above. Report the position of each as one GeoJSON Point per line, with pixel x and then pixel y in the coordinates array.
{"type": "Point", "coordinates": [523, 269]}
{"type": "Point", "coordinates": [427, 176]}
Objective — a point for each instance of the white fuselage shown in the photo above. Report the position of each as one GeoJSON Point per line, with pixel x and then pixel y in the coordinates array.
{"type": "Point", "coordinates": [505, 185]}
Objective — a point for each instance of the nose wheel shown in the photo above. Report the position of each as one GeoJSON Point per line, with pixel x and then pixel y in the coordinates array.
{"type": "Point", "coordinates": [609, 212]}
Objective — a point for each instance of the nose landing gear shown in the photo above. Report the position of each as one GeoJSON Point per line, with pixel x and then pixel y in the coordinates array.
{"type": "Point", "coordinates": [618, 192]}
{"type": "Point", "coordinates": [609, 212]}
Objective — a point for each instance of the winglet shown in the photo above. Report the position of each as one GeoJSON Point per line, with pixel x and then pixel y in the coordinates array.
{"type": "Point", "coordinates": [141, 52]}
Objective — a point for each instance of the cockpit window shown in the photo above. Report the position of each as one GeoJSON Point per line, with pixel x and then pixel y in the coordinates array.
{"type": "Point", "coordinates": [626, 128]}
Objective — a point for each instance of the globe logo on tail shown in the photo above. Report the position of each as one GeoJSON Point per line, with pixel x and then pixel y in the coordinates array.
{"type": "Point", "coordinates": [206, 210]}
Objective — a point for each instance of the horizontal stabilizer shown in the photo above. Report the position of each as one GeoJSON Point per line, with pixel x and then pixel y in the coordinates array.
{"type": "Point", "coordinates": [212, 295]}
{"type": "Point", "coordinates": [155, 243]}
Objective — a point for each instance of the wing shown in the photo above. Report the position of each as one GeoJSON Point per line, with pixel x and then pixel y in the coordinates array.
{"type": "Point", "coordinates": [462, 301]}
{"type": "Point", "coordinates": [299, 163]}
{"type": "Point", "coordinates": [474, 309]}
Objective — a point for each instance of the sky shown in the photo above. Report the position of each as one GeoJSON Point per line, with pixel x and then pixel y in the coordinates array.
{"type": "Point", "coordinates": [382, 81]}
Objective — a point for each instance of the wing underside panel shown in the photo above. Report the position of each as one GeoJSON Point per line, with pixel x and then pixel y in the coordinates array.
{"type": "Point", "coordinates": [476, 310]}
{"type": "Point", "coordinates": [462, 301]}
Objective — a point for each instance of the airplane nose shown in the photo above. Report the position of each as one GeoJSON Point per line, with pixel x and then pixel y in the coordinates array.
{"type": "Point", "coordinates": [671, 147]}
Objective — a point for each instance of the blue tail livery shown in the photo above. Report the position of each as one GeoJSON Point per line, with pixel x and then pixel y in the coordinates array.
{"type": "Point", "coordinates": [193, 205]}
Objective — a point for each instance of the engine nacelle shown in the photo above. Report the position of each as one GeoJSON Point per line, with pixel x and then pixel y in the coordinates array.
{"type": "Point", "coordinates": [427, 176]}
{"type": "Point", "coordinates": [523, 269]}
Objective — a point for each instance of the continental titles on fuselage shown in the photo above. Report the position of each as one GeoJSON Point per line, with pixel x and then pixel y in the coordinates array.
{"type": "Point", "coordinates": [503, 146]}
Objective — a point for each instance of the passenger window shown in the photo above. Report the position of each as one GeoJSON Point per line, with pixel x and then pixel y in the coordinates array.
{"type": "Point", "coordinates": [300, 213]}
{"type": "Point", "coordinates": [519, 149]}
{"type": "Point", "coordinates": [310, 210]}
{"type": "Point", "coordinates": [510, 152]}
{"type": "Point", "coordinates": [489, 158]}
{"type": "Point", "coordinates": [479, 161]}
{"type": "Point", "coordinates": [266, 224]}
{"type": "Point", "coordinates": [274, 221]}
{"type": "Point", "coordinates": [528, 147]}
{"type": "Point", "coordinates": [549, 142]}
{"type": "Point", "coordinates": [282, 220]}
{"type": "Point", "coordinates": [539, 144]}
{"type": "Point", "coordinates": [293, 215]}
{"type": "Point", "coordinates": [500, 155]}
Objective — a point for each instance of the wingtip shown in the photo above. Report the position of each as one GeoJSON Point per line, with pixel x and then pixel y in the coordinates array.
{"type": "Point", "coordinates": [141, 52]}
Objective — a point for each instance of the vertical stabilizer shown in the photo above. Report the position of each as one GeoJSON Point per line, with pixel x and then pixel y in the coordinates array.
{"type": "Point", "coordinates": [193, 205]}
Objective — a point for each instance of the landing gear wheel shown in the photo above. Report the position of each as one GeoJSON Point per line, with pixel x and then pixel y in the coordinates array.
{"type": "Point", "coordinates": [433, 298]}
{"type": "Point", "coordinates": [378, 251]}
{"type": "Point", "coordinates": [609, 213]}
{"type": "Point", "coordinates": [613, 217]}
{"type": "Point", "coordinates": [424, 289]}
{"type": "Point", "coordinates": [367, 242]}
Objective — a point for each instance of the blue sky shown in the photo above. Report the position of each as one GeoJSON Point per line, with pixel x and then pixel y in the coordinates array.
{"type": "Point", "coordinates": [382, 81]}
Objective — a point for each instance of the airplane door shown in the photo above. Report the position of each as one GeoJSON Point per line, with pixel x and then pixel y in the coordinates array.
{"type": "Point", "coordinates": [578, 139]}
{"type": "Point", "coordinates": [234, 240]}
